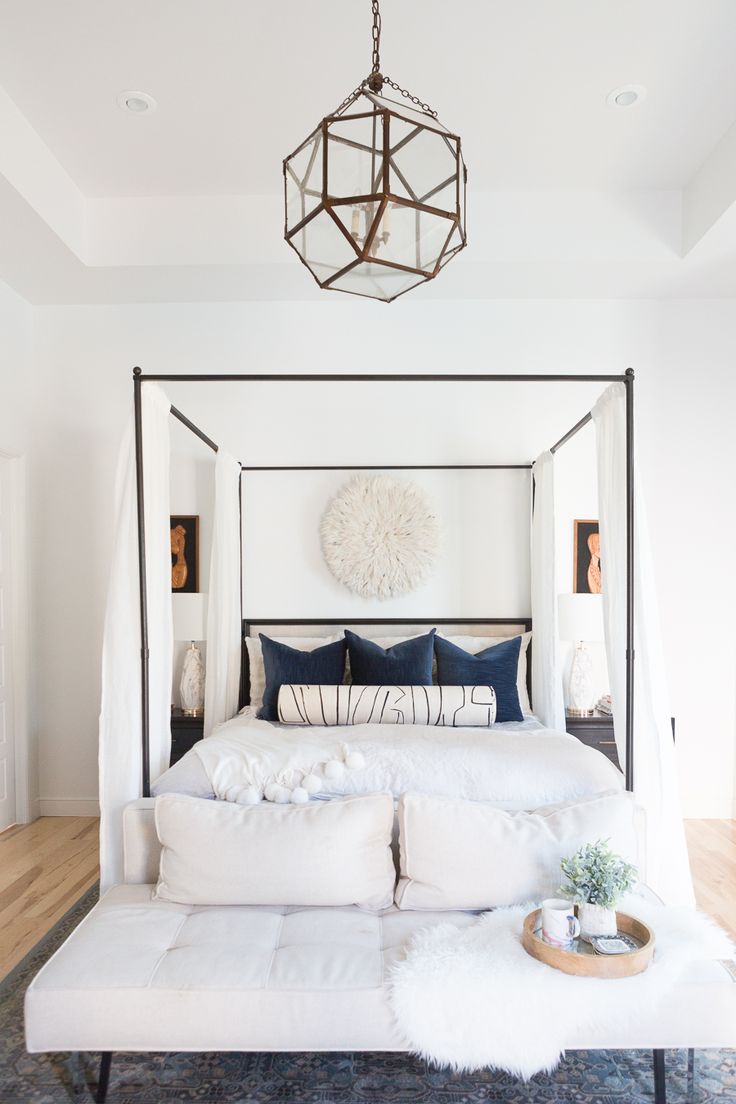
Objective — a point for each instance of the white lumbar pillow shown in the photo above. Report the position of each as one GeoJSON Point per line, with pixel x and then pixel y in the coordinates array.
{"type": "Point", "coordinates": [459, 854]}
{"type": "Point", "coordinates": [453, 706]}
{"type": "Point", "coordinates": [322, 853]}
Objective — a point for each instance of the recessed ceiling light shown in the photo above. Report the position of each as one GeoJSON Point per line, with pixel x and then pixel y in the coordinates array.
{"type": "Point", "coordinates": [626, 96]}
{"type": "Point", "coordinates": [137, 103]}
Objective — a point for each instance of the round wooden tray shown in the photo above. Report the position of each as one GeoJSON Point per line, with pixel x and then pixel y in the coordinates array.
{"type": "Point", "coordinates": [581, 960]}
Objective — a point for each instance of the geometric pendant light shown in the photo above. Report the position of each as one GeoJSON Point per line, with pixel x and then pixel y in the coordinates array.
{"type": "Point", "coordinates": [375, 195]}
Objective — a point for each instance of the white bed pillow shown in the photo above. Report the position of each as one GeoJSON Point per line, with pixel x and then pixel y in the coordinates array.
{"type": "Point", "coordinates": [475, 644]}
{"type": "Point", "coordinates": [459, 854]}
{"type": "Point", "coordinates": [256, 669]}
{"type": "Point", "coordinates": [324, 853]}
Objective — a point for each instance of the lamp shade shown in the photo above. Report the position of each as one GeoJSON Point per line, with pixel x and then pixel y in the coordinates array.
{"type": "Point", "coordinates": [580, 617]}
{"type": "Point", "coordinates": [190, 616]}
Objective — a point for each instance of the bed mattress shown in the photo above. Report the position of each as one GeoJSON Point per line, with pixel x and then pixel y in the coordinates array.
{"type": "Point", "coordinates": [515, 765]}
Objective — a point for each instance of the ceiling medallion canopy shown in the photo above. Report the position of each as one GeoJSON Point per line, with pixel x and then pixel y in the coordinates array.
{"type": "Point", "coordinates": [375, 196]}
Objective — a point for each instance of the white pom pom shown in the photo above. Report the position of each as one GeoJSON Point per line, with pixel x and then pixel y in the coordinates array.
{"type": "Point", "coordinates": [233, 793]}
{"type": "Point", "coordinates": [312, 784]}
{"type": "Point", "coordinates": [334, 769]}
{"type": "Point", "coordinates": [249, 795]}
{"type": "Point", "coordinates": [355, 760]}
{"type": "Point", "coordinates": [299, 796]}
{"type": "Point", "coordinates": [271, 790]}
{"type": "Point", "coordinates": [282, 796]}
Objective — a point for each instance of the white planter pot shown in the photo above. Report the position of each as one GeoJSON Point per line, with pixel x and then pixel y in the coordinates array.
{"type": "Point", "coordinates": [596, 920]}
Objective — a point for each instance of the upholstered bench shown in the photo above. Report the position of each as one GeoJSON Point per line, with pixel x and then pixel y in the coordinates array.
{"type": "Point", "coordinates": [145, 975]}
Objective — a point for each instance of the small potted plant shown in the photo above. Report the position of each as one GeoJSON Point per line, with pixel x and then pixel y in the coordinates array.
{"type": "Point", "coordinates": [596, 879]}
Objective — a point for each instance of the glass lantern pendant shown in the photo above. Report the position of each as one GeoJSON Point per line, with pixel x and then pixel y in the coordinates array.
{"type": "Point", "coordinates": [375, 196]}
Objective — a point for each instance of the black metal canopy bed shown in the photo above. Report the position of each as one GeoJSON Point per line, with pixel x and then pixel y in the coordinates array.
{"type": "Point", "coordinates": [140, 378]}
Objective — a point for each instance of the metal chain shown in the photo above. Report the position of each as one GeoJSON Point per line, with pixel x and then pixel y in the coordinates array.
{"type": "Point", "coordinates": [408, 96]}
{"type": "Point", "coordinates": [376, 73]}
{"type": "Point", "coordinates": [376, 33]}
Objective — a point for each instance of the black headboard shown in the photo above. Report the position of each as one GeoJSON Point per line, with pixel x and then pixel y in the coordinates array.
{"type": "Point", "coordinates": [462, 626]}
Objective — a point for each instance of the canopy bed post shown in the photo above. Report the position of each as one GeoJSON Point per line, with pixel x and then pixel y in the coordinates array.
{"type": "Point", "coordinates": [143, 597]}
{"type": "Point", "coordinates": [629, 386]}
{"type": "Point", "coordinates": [241, 690]}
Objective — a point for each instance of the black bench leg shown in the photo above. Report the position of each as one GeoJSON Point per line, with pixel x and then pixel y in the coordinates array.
{"type": "Point", "coordinates": [691, 1074]}
{"type": "Point", "coordinates": [104, 1079]}
{"type": "Point", "coordinates": [660, 1087]}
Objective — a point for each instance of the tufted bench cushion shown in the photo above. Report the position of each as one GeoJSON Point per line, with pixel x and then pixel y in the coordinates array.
{"type": "Point", "coordinates": [146, 975]}
{"type": "Point", "coordinates": [140, 974]}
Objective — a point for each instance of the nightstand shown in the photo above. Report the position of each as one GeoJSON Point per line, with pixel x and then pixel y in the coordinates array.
{"type": "Point", "coordinates": [596, 731]}
{"type": "Point", "coordinates": [185, 733]}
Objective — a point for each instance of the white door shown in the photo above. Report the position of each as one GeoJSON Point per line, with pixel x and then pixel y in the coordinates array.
{"type": "Point", "coordinates": [7, 743]}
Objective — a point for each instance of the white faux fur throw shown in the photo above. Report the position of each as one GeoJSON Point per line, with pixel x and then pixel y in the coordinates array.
{"type": "Point", "coordinates": [472, 997]}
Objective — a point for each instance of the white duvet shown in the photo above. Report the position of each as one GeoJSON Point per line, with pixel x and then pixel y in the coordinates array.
{"type": "Point", "coordinates": [516, 765]}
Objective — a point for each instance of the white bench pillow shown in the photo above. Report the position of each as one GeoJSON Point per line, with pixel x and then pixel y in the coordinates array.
{"type": "Point", "coordinates": [453, 706]}
{"type": "Point", "coordinates": [324, 853]}
{"type": "Point", "coordinates": [459, 854]}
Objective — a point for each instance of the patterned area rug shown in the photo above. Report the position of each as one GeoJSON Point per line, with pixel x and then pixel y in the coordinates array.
{"type": "Point", "coordinates": [585, 1077]}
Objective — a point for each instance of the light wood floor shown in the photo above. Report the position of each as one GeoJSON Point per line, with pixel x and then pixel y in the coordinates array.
{"type": "Point", "coordinates": [712, 847]}
{"type": "Point", "coordinates": [46, 866]}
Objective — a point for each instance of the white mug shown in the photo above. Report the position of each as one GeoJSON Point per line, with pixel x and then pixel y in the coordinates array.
{"type": "Point", "coordinates": [560, 925]}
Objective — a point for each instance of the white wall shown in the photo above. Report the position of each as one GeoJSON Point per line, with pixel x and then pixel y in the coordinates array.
{"type": "Point", "coordinates": [192, 481]}
{"type": "Point", "coordinates": [576, 497]}
{"type": "Point", "coordinates": [482, 567]}
{"type": "Point", "coordinates": [683, 353]}
{"type": "Point", "coordinates": [16, 430]}
{"type": "Point", "coordinates": [15, 371]}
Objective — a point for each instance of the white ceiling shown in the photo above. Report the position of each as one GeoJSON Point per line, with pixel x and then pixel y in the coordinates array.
{"type": "Point", "coordinates": [238, 84]}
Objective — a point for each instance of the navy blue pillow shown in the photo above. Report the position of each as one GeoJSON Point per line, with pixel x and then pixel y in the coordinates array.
{"type": "Point", "coordinates": [405, 664]}
{"type": "Point", "coordinates": [496, 666]}
{"type": "Point", "coordinates": [283, 665]}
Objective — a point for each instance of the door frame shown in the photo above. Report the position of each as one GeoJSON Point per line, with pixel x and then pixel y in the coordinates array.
{"type": "Point", "coordinates": [26, 805]}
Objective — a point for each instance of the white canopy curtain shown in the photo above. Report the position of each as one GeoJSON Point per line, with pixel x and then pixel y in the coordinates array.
{"type": "Point", "coordinates": [655, 771]}
{"type": "Point", "coordinates": [224, 615]}
{"type": "Point", "coordinates": [120, 754]}
{"type": "Point", "coordinates": [546, 678]}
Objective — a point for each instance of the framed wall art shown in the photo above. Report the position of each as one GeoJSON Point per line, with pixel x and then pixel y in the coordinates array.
{"type": "Point", "coordinates": [185, 553]}
{"type": "Point", "coordinates": [586, 572]}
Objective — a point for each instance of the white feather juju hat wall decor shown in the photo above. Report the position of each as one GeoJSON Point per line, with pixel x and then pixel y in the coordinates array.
{"type": "Point", "coordinates": [380, 536]}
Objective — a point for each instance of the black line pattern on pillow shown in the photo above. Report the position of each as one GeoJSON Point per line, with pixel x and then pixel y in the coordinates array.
{"type": "Point", "coordinates": [450, 706]}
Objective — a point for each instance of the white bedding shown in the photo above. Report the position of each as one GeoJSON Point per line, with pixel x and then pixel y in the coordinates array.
{"type": "Point", "coordinates": [516, 765]}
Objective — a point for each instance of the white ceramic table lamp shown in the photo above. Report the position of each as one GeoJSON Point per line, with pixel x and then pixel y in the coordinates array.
{"type": "Point", "coordinates": [581, 620]}
{"type": "Point", "coordinates": [190, 615]}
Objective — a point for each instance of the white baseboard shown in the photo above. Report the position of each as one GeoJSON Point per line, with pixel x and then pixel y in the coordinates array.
{"type": "Point", "coordinates": [34, 810]}
{"type": "Point", "coordinates": [68, 806]}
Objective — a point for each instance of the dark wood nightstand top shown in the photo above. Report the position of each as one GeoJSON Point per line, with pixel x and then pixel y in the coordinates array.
{"type": "Point", "coordinates": [596, 718]}
{"type": "Point", "coordinates": [185, 718]}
